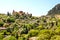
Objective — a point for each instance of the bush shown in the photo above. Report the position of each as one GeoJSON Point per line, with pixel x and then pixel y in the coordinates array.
{"type": "Point", "coordinates": [33, 33]}
{"type": "Point", "coordinates": [45, 31]}
{"type": "Point", "coordinates": [43, 37]}
{"type": "Point", "coordinates": [1, 37]}
{"type": "Point", "coordinates": [21, 38]}
{"type": "Point", "coordinates": [24, 31]}
{"type": "Point", "coordinates": [40, 27]}
{"type": "Point", "coordinates": [57, 31]}
{"type": "Point", "coordinates": [1, 23]}
{"type": "Point", "coordinates": [56, 37]}
{"type": "Point", "coordinates": [9, 38]}
{"type": "Point", "coordinates": [10, 19]}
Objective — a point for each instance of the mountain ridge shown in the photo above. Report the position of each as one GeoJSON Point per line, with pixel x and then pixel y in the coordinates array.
{"type": "Point", "coordinates": [55, 10]}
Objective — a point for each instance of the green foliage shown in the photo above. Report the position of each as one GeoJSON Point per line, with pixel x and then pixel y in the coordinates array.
{"type": "Point", "coordinates": [33, 33]}
{"type": "Point", "coordinates": [45, 31]}
{"type": "Point", "coordinates": [21, 26]}
{"type": "Point", "coordinates": [9, 30]}
{"type": "Point", "coordinates": [57, 31]}
{"type": "Point", "coordinates": [17, 15]}
{"type": "Point", "coordinates": [43, 37]}
{"type": "Point", "coordinates": [40, 27]}
{"type": "Point", "coordinates": [56, 37]}
{"type": "Point", "coordinates": [10, 19]}
{"type": "Point", "coordinates": [21, 38]}
{"type": "Point", "coordinates": [9, 38]}
{"type": "Point", "coordinates": [1, 23]}
{"type": "Point", "coordinates": [1, 37]}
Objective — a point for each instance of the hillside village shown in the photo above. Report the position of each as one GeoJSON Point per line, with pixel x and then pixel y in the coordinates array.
{"type": "Point", "coordinates": [23, 26]}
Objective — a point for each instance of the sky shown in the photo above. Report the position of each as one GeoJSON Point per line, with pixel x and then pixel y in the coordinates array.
{"type": "Point", "coordinates": [36, 7]}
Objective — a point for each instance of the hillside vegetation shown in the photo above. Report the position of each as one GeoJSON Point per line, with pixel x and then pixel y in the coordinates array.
{"type": "Point", "coordinates": [24, 26]}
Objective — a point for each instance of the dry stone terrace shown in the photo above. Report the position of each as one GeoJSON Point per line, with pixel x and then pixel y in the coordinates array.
{"type": "Point", "coordinates": [3, 28]}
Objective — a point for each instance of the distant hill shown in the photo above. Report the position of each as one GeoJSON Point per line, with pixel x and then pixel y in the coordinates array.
{"type": "Point", "coordinates": [55, 10]}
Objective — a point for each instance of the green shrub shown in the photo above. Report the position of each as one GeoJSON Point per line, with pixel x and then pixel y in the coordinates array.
{"type": "Point", "coordinates": [10, 19]}
{"type": "Point", "coordinates": [43, 37]}
{"type": "Point", "coordinates": [9, 38]}
{"type": "Point", "coordinates": [55, 37]}
{"type": "Point", "coordinates": [1, 37]}
{"type": "Point", "coordinates": [33, 33]}
{"type": "Point", "coordinates": [1, 23]}
{"type": "Point", "coordinates": [40, 27]}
